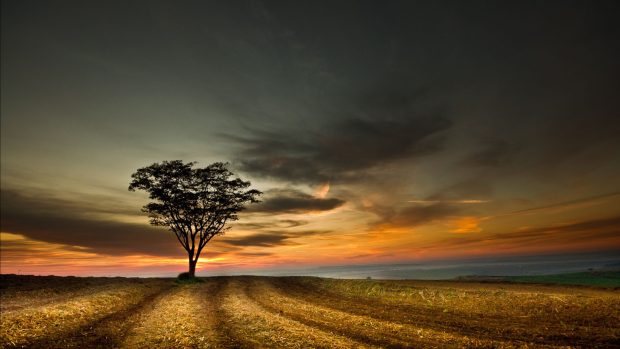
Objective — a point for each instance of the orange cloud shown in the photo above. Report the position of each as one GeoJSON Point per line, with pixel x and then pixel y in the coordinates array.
{"type": "Point", "coordinates": [21, 255]}
{"type": "Point", "coordinates": [464, 225]}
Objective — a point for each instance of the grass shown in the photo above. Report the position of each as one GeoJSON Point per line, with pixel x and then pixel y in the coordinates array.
{"type": "Point", "coordinates": [189, 281]}
{"type": "Point", "coordinates": [303, 312]}
{"type": "Point", "coordinates": [590, 278]}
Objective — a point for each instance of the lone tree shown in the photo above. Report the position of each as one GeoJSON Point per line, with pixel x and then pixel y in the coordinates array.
{"type": "Point", "coordinates": [194, 203]}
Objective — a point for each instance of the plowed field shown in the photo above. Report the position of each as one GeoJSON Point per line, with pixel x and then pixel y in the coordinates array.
{"type": "Point", "coordinates": [302, 312]}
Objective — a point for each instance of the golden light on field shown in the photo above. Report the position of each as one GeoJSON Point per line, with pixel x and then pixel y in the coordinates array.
{"type": "Point", "coordinates": [302, 312]}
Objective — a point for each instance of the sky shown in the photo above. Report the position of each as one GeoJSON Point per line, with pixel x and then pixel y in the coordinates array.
{"type": "Point", "coordinates": [379, 131]}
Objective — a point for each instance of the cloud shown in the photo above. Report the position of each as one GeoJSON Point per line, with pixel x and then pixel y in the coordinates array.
{"type": "Point", "coordinates": [493, 152]}
{"type": "Point", "coordinates": [51, 220]}
{"type": "Point", "coordinates": [370, 255]}
{"type": "Point", "coordinates": [416, 215]}
{"type": "Point", "coordinates": [261, 240]}
{"type": "Point", "coordinates": [255, 254]}
{"type": "Point", "coordinates": [280, 224]}
{"type": "Point", "coordinates": [322, 190]}
{"type": "Point", "coordinates": [293, 201]}
{"type": "Point", "coordinates": [465, 201]}
{"type": "Point", "coordinates": [612, 223]}
{"type": "Point", "coordinates": [474, 187]}
{"type": "Point", "coordinates": [341, 150]}
{"type": "Point", "coordinates": [270, 239]}
{"type": "Point", "coordinates": [467, 224]}
{"type": "Point", "coordinates": [595, 232]}
{"type": "Point", "coordinates": [558, 206]}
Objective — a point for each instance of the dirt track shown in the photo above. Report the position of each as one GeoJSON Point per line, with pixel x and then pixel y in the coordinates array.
{"type": "Point", "coordinates": [248, 312]}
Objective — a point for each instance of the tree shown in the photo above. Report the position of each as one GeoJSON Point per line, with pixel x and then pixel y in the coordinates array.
{"type": "Point", "coordinates": [194, 203]}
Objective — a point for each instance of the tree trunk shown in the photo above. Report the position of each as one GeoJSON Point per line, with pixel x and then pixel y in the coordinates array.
{"type": "Point", "coordinates": [192, 268]}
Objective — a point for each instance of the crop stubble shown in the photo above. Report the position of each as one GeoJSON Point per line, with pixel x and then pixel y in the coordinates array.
{"type": "Point", "coordinates": [299, 312]}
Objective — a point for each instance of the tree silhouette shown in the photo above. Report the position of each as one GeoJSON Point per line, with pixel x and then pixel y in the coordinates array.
{"type": "Point", "coordinates": [194, 203]}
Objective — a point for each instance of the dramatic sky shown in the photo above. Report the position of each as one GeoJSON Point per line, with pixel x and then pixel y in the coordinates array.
{"type": "Point", "coordinates": [379, 131]}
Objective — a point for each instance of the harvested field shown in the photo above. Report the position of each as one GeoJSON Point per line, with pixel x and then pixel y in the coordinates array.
{"type": "Point", "coordinates": [302, 312]}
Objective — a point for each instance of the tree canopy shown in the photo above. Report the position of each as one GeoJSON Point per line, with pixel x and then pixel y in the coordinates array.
{"type": "Point", "coordinates": [194, 203]}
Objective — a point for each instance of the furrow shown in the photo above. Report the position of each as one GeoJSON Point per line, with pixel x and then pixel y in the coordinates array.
{"type": "Point", "coordinates": [17, 300]}
{"type": "Point", "coordinates": [254, 326]}
{"type": "Point", "coordinates": [362, 328]}
{"type": "Point", "coordinates": [70, 322]}
{"type": "Point", "coordinates": [179, 320]}
{"type": "Point", "coordinates": [473, 325]}
{"type": "Point", "coordinates": [211, 298]}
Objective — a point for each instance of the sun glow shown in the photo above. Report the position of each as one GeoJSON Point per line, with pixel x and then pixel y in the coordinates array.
{"type": "Point", "coordinates": [464, 225]}
{"type": "Point", "coordinates": [322, 191]}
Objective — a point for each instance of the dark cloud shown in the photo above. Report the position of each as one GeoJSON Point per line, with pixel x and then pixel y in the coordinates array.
{"type": "Point", "coordinates": [340, 150]}
{"type": "Point", "coordinates": [280, 224]}
{"type": "Point", "coordinates": [271, 239]}
{"type": "Point", "coordinates": [492, 152]}
{"type": "Point", "coordinates": [565, 204]}
{"type": "Point", "coordinates": [583, 232]}
{"type": "Point", "coordinates": [610, 225]}
{"type": "Point", "coordinates": [415, 214]}
{"type": "Point", "coordinates": [260, 240]}
{"type": "Point", "coordinates": [467, 189]}
{"type": "Point", "coordinates": [293, 201]}
{"type": "Point", "coordinates": [45, 201]}
{"type": "Point", "coordinates": [60, 221]}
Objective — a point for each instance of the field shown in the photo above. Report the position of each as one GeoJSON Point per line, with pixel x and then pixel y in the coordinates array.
{"type": "Point", "coordinates": [302, 312]}
{"type": "Point", "coordinates": [608, 278]}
